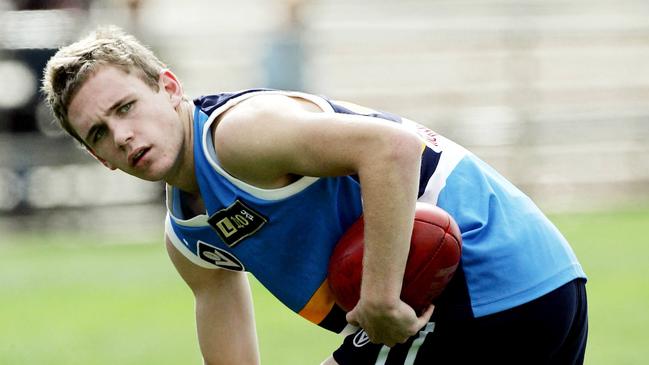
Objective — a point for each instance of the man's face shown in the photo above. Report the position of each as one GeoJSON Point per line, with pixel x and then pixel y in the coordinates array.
{"type": "Point", "coordinates": [128, 125]}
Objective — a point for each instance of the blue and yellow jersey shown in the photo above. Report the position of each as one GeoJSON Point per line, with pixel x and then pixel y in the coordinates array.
{"type": "Point", "coordinates": [511, 253]}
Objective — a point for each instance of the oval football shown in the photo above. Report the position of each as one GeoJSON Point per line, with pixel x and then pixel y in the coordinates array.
{"type": "Point", "coordinates": [435, 251]}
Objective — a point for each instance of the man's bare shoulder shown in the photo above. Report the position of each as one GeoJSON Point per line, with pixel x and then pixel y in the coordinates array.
{"type": "Point", "coordinates": [256, 139]}
{"type": "Point", "coordinates": [257, 123]}
{"type": "Point", "coordinates": [265, 105]}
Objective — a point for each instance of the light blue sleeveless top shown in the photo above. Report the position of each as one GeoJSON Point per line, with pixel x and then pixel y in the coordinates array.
{"type": "Point", "coordinates": [511, 252]}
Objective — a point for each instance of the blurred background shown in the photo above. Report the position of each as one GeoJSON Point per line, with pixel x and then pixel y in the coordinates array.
{"type": "Point", "coordinates": [551, 93]}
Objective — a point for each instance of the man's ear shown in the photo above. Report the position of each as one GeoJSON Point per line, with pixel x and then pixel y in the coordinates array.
{"type": "Point", "coordinates": [101, 160]}
{"type": "Point", "coordinates": [169, 83]}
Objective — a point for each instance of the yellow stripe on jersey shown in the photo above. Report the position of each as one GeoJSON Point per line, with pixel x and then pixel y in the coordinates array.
{"type": "Point", "coordinates": [320, 304]}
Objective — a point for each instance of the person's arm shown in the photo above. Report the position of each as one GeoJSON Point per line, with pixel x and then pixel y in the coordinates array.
{"type": "Point", "coordinates": [224, 313]}
{"type": "Point", "coordinates": [268, 138]}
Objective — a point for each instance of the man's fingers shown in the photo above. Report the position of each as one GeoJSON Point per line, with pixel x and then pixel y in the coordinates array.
{"type": "Point", "coordinates": [351, 318]}
{"type": "Point", "coordinates": [425, 317]}
{"type": "Point", "coordinates": [391, 333]}
{"type": "Point", "coordinates": [390, 342]}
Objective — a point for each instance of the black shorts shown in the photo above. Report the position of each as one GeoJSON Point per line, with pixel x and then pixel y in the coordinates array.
{"type": "Point", "coordinates": [549, 330]}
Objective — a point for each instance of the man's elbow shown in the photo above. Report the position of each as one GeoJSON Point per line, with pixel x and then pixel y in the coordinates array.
{"type": "Point", "coordinates": [403, 148]}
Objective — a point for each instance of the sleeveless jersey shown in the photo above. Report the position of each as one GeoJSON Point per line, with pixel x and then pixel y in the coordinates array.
{"type": "Point", "coordinates": [511, 254]}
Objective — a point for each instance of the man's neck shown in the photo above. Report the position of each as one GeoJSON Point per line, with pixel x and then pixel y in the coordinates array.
{"type": "Point", "coordinates": [185, 178]}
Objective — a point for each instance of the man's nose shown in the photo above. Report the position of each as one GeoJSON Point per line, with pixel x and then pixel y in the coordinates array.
{"type": "Point", "coordinates": [123, 134]}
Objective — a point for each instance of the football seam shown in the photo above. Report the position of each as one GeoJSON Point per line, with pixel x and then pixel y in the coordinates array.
{"type": "Point", "coordinates": [439, 246]}
{"type": "Point", "coordinates": [446, 230]}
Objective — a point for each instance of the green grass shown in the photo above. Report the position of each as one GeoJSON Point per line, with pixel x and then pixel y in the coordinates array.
{"type": "Point", "coordinates": [614, 250]}
{"type": "Point", "coordinates": [71, 300]}
{"type": "Point", "coordinates": [75, 303]}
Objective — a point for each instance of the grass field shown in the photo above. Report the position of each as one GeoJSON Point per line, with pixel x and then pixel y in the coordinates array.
{"type": "Point", "coordinates": [73, 300]}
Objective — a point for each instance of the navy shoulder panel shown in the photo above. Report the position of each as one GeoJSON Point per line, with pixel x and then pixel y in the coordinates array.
{"type": "Point", "coordinates": [209, 103]}
{"type": "Point", "coordinates": [377, 114]}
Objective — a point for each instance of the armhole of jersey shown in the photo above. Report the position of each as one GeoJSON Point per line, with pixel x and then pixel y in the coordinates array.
{"type": "Point", "coordinates": [171, 199]}
{"type": "Point", "coordinates": [267, 194]}
{"type": "Point", "coordinates": [180, 246]}
{"type": "Point", "coordinates": [451, 155]}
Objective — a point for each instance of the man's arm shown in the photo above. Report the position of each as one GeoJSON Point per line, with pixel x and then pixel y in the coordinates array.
{"type": "Point", "coordinates": [266, 139]}
{"type": "Point", "coordinates": [224, 313]}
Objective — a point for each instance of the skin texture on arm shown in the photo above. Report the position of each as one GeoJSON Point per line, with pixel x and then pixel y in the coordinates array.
{"type": "Point", "coordinates": [224, 312]}
{"type": "Point", "coordinates": [267, 140]}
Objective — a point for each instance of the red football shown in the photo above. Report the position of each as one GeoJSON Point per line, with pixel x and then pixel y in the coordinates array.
{"type": "Point", "coordinates": [435, 250]}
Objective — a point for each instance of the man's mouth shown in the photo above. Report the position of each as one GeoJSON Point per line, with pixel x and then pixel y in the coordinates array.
{"type": "Point", "coordinates": [137, 155]}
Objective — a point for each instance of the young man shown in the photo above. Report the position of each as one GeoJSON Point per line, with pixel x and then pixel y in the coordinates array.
{"type": "Point", "coordinates": [267, 181]}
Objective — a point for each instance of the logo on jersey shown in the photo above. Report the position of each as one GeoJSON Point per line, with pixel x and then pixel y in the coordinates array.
{"type": "Point", "coordinates": [219, 257]}
{"type": "Point", "coordinates": [431, 138]}
{"type": "Point", "coordinates": [361, 339]}
{"type": "Point", "coordinates": [236, 222]}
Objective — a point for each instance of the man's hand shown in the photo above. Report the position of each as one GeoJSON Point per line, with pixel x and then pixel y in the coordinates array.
{"type": "Point", "coordinates": [388, 324]}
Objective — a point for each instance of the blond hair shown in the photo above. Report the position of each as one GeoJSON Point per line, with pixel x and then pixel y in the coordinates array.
{"type": "Point", "coordinates": [72, 65]}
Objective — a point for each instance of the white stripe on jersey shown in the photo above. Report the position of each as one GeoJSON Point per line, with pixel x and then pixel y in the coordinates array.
{"type": "Point", "coordinates": [452, 154]}
{"type": "Point", "coordinates": [182, 248]}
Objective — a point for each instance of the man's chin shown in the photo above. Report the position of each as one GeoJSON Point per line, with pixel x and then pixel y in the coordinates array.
{"type": "Point", "coordinates": [153, 178]}
{"type": "Point", "coordinates": [146, 175]}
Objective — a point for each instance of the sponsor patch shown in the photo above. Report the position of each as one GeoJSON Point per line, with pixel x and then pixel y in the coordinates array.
{"type": "Point", "coordinates": [218, 257]}
{"type": "Point", "coordinates": [236, 222]}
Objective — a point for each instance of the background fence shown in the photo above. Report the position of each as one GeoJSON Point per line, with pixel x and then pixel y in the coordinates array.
{"type": "Point", "coordinates": [552, 93]}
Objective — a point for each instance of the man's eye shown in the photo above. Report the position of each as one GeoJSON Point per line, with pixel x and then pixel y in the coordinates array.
{"type": "Point", "coordinates": [99, 134]}
{"type": "Point", "coordinates": [124, 108]}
